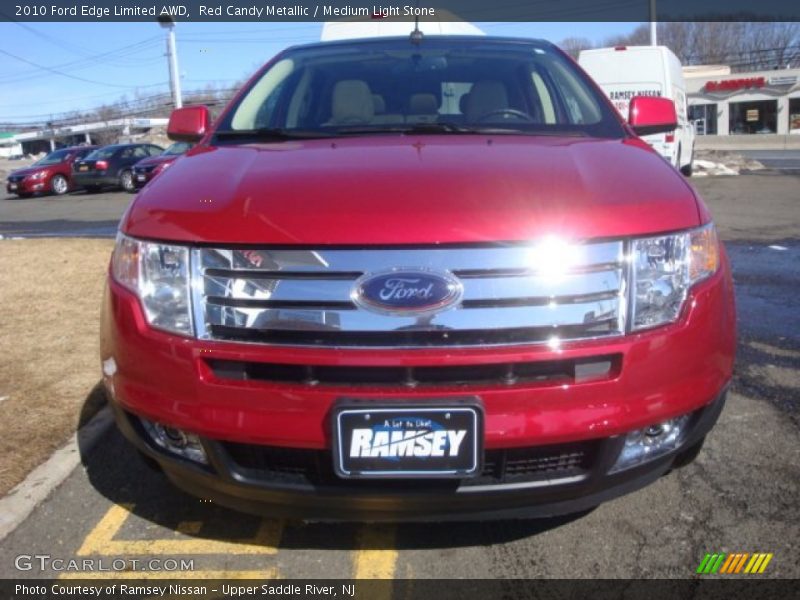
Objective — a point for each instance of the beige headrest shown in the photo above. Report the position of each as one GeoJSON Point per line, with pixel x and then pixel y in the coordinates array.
{"type": "Point", "coordinates": [352, 102]}
{"type": "Point", "coordinates": [379, 103]}
{"type": "Point", "coordinates": [462, 103]}
{"type": "Point", "coordinates": [423, 104]}
{"type": "Point", "coordinates": [484, 97]}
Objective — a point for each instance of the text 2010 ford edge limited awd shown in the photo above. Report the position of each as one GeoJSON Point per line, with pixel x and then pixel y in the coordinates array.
{"type": "Point", "coordinates": [432, 279]}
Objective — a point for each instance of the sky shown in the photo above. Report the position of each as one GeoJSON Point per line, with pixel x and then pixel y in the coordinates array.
{"type": "Point", "coordinates": [52, 68]}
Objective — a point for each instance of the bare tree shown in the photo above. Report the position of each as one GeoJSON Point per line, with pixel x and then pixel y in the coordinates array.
{"type": "Point", "coordinates": [744, 46]}
{"type": "Point", "coordinates": [638, 37]}
{"type": "Point", "coordinates": [574, 45]}
{"type": "Point", "coordinates": [108, 136]}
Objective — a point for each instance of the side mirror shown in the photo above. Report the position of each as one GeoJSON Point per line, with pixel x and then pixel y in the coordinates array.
{"type": "Point", "coordinates": [652, 114]}
{"type": "Point", "coordinates": [188, 124]}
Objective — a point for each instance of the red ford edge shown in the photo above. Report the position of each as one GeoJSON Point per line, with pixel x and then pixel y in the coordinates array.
{"type": "Point", "coordinates": [404, 279]}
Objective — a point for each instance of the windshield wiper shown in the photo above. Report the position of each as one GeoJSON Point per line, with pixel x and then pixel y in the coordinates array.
{"type": "Point", "coordinates": [270, 133]}
{"type": "Point", "coordinates": [432, 127]}
{"type": "Point", "coordinates": [446, 127]}
{"type": "Point", "coordinates": [437, 127]}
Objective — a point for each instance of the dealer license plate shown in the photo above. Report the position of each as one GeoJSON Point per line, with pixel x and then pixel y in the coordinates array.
{"type": "Point", "coordinates": [408, 441]}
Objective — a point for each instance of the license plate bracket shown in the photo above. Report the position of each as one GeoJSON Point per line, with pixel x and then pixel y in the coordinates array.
{"type": "Point", "coordinates": [408, 439]}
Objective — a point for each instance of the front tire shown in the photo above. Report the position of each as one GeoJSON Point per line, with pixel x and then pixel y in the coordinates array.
{"type": "Point", "coordinates": [688, 169]}
{"type": "Point", "coordinates": [126, 181]}
{"type": "Point", "coordinates": [59, 185]}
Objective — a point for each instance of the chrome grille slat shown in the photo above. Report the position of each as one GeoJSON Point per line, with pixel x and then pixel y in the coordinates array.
{"type": "Point", "coordinates": [473, 318]}
{"type": "Point", "coordinates": [245, 286]}
{"type": "Point", "coordinates": [517, 257]}
{"type": "Point", "coordinates": [244, 294]}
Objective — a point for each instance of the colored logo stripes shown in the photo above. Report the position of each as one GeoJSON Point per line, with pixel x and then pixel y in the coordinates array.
{"type": "Point", "coordinates": [734, 562]}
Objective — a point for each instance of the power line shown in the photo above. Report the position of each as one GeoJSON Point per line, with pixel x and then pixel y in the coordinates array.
{"type": "Point", "coordinates": [129, 49]}
{"type": "Point", "coordinates": [131, 108]}
{"type": "Point", "coordinates": [63, 101]}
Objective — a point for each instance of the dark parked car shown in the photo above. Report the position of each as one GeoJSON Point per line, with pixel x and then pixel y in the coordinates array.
{"type": "Point", "coordinates": [147, 168]}
{"type": "Point", "coordinates": [50, 175]}
{"type": "Point", "coordinates": [112, 166]}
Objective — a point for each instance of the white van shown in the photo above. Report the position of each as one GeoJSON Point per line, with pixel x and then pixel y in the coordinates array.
{"type": "Point", "coordinates": [627, 71]}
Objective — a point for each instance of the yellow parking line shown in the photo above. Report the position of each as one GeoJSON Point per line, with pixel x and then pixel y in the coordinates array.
{"type": "Point", "coordinates": [189, 527]}
{"type": "Point", "coordinates": [201, 574]}
{"type": "Point", "coordinates": [376, 556]}
{"type": "Point", "coordinates": [101, 539]}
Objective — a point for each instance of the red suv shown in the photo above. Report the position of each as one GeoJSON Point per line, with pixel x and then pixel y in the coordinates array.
{"type": "Point", "coordinates": [52, 174]}
{"type": "Point", "coordinates": [418, 279]}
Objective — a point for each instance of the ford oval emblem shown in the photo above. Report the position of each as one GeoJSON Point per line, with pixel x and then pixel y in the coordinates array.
{"type": "Point", "coordinates": [407, 291]}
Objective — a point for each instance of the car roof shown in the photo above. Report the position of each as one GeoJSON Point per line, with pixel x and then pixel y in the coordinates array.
{"type": "Point", "coordinates": [429, 38]}
{"type": "Point", "coordinates": [129, 145]}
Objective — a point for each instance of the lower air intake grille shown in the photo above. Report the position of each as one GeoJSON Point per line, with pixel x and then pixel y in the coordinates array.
{"type": "Point", "coordinates": [315, 467]}
{"type": "Point", "coordinates": [557, 371]}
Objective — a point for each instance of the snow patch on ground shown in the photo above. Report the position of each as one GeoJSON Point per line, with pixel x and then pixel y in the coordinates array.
{"type": "Point", "coordinates": [709, 167]}
{"type": "Point", "coordinates": [716, 163]}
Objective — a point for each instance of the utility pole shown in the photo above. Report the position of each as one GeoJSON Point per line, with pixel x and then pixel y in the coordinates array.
{"type": "Point", "coordinates": [172, 57]}
{"type": "Point", "coordinates": [653, 24]}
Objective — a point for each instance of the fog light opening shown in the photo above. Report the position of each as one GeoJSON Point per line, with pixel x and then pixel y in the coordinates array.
{"type": "Point", "coordinates": [176, 441]}
{"type": "Point", "coordinates": [175, 437]}
{"type": "Point", "coordinates": [654, 431]}
{"type": "Point", "coordinates": [651, 442]}
{"type": "Point", "coordinates": [109, 370]}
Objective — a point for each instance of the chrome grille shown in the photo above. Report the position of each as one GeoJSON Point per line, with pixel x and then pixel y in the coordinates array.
{"type": "Point", "coordinates": [303, 297]}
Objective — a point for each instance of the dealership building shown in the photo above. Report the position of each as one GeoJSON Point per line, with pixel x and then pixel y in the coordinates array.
{"type": "Point", "coordinates": [758, 103]}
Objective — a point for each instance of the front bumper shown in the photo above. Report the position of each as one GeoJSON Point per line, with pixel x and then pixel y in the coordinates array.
{"type": "Point", "coordinates": [316, 495]}
{"type": "Point", "coordinates": [142, 178]}
{"type": "Point", "coordinates": [674, 370]}
{"type": "Point", "coordinates": [27, 186]}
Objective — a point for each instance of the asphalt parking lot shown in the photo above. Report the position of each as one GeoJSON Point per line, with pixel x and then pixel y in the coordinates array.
{"type": "Point", "coordinates": [741, 495]}
{"type": "Point", "coordinates": [784, 160]}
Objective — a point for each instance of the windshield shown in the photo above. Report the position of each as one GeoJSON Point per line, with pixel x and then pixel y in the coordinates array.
{"type": "Point", "coordinates": [102, 153]}
{"type": "Point", "coordinates": [53, 158]}
{"type": "Point", "coordinates": [439, 86]}
{"type": "Point", "coordinates": [176, 148]}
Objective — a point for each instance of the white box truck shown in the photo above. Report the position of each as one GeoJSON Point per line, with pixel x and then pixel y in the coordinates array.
{"type": "Point", "coordinates": [627, 71]}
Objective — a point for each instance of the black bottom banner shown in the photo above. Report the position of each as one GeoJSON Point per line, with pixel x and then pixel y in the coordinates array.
{"type": "Point", "coordinates": [400, 589]}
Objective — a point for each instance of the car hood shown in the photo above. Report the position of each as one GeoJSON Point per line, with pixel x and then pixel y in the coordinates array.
{"type": "Point", "coordinates": [414, 190]}
{"type": "Point", "coordinates": [155, 160]}
{"type": "Point", "coordinates": [25, 171]}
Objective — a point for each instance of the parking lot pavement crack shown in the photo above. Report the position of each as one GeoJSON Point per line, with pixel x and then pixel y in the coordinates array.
{"type": "Point", "coordinates": [701, 529]}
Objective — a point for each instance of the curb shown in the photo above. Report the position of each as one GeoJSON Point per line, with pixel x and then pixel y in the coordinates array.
{"type": "Point", "coordinates": [20, 502]}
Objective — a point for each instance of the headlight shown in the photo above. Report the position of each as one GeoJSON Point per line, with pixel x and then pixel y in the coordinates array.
{"type": "Point", "coordinates": [38, 175]}
{"type": "Point", "coordinates": [665, 267]}
{"type": "Point", "coordinates": [159, 275]}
